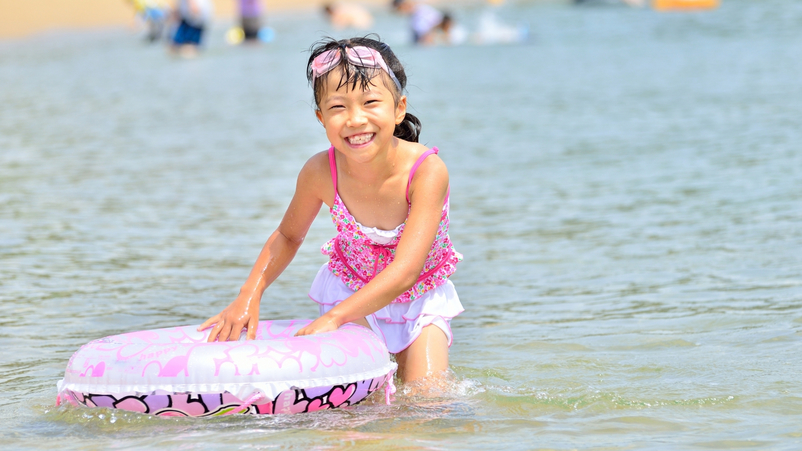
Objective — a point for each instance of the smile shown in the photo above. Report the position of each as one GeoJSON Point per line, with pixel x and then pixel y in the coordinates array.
{"type": "Point", "coordinates": [362, 138]}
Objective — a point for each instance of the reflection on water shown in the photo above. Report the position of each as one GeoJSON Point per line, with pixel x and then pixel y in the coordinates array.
{"type": "Point", "coordinates": [624, 188]}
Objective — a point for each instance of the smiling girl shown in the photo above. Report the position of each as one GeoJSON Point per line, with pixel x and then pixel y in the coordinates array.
{"type": "Point", "coordinates": [390, 261]}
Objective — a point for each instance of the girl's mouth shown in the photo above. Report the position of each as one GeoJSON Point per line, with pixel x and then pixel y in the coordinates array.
{"type": "Point", "coordinates": [360, 139]}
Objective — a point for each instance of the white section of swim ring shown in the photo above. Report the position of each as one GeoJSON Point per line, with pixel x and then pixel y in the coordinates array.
{"type": "Point", "coordinates": [363, 367]}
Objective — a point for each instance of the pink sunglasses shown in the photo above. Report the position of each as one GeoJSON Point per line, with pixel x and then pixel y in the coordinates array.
{"type": "Point", "coordinates": [358, 56]}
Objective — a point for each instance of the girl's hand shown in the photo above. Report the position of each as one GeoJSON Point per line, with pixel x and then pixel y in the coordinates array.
{"type": "Point", "coordinates": [228, 324]}
{"type": "Point", "coordinates": [323, 324]}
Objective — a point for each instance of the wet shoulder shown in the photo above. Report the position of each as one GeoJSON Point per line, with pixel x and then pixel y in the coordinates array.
{"type": "Point", "coordinates": [316, 177]}
{"type": "Point", "coordinates": [432, 172]}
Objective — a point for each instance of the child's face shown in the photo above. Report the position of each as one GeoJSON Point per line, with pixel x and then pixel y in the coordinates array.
{"type": "Point", "coordinates": [360, 123]}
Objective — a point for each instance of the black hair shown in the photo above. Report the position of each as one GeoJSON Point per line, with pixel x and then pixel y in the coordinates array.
{"type": "Point", "coordinates": [447, 21]}
{"type": "Point", "coordinates": [409, 129]}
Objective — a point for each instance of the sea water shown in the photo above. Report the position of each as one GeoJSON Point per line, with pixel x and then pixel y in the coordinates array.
{"type": "Point", "coordinates": [625, 189]}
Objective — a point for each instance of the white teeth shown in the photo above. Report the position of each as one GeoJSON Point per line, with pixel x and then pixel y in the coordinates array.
{"type": "Point", "coordinates": [360, 139]}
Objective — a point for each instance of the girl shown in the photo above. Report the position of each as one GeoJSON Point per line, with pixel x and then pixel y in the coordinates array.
{"type": "Point", "coordinates": [389, 264]}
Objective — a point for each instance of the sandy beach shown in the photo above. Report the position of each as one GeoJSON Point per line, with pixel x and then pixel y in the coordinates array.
{"type": "Point", "coordinates": [19, 18]}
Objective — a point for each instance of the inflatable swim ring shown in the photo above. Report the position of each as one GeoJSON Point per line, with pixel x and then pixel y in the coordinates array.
{"type": "Point", "coordinates": [174, 372]}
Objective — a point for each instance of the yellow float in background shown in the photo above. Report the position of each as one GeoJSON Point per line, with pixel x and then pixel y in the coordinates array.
{"type": "Point", "coordinates": [684, 5]}
{"type": "Point", "coordinates": [235, 36]}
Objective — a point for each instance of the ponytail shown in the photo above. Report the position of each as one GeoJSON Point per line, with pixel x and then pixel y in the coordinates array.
{"type": "Point", "coordinates": [408, 129]}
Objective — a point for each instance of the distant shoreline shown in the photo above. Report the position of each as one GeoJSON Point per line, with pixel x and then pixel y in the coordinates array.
{"type": "Point", "coordinates": [21, 18]}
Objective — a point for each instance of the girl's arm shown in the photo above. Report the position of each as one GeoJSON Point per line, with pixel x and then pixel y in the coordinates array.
{"type": "Point", "coordinates": [427, 194]}
{"type": "Point", "coordinates": [277, 253]}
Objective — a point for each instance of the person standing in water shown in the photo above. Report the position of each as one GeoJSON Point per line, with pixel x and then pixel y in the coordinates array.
{"type": "Point", "coordinates": [153, 14]}
{"type": "Point", "coordinates": [428, 24]}
{"type": "Point", "coordinates": [348, 15]}
{"type": "Point", "coordinates": [192, 16]}
{"type": "Point", "coordinates": [250, 13]}
{"type": "Point", "coordinates": [390, 262]}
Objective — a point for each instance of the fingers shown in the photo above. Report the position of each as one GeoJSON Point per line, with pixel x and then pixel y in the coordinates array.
{"type": "Point", "coordinates": [226, 329]}
{"type": "Point", "coordinates": [234, 331]}
{"type": "Point", "coordinates": [215, 333]}
{"type": "Point", "coordinates": [212, 336]}
{"type": "Point", "coordinates": [310, 329]}
{"type": "Point", "coordinates": [230, 331]}
{"type": "Point", "coordinates": [221, 332]}
{"type": "Point", "coordinates": [317, 326]}
{"type": "Point", "coordinates": [252, 326]}
{"type": "Point", "coordinates": [206, 324]}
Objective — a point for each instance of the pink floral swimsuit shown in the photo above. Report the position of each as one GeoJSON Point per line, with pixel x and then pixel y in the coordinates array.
{"type": "Point", "coordinates": [358, 253]}
{"type": "Point", "coordinates": [356, 258]}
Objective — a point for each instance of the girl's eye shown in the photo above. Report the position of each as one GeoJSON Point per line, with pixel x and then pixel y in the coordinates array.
{"type": "Point", "coordinates": [334, 107]}
{"type": "Point", "coordinates": [371, 101]}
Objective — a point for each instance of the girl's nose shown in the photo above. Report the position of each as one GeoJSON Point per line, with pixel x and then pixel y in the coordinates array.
{"type": "Point", "coordinates": [356, 118]}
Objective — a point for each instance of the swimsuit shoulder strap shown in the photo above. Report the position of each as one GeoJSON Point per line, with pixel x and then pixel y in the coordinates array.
{"type": "Point", "coordinates": [333, 167]}
{"type": "Point", "coordinates": [433, 150]}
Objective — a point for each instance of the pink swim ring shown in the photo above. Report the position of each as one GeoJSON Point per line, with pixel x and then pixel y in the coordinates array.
{"type": "Point", "coordinates": [174, 372]}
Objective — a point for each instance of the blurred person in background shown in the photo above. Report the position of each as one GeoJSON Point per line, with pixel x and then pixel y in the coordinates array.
{"type": "Point", "coordinates": [632, 3]}
{"type": "Point", "coordinates": [428, 24]}
{"type": "Point", "coordinates": [348, 15]}
{"type": "Point", "coordinates": [153, 14]}
{"type": "Point", "coordinates": [250, 13]}
{"type": "Point", "coordinates": [192, 17]}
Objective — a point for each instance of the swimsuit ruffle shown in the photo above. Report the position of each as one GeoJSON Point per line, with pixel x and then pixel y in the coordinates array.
{"type": "Point", "coordinates": [441, 264]}
{"type": "Point", "coordinates": [399, 324]}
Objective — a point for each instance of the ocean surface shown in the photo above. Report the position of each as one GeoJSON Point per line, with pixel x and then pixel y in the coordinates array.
{"type": "Point", "coordinates": [626, 191]}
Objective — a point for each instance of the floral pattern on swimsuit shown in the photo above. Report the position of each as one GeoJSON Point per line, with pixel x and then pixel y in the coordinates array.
{"type": "Point", "coordinates": [356, 259]}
